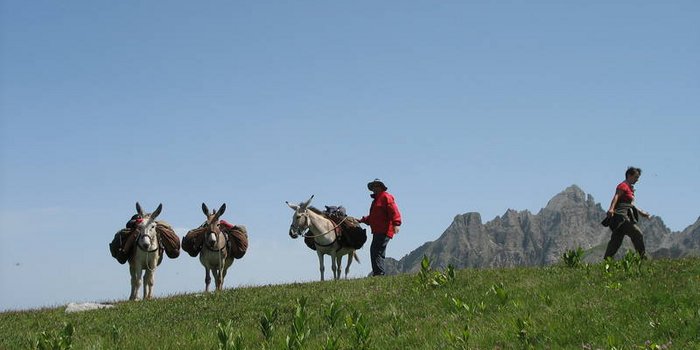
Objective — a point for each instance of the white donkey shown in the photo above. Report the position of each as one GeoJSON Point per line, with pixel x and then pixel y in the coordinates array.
{"type": "Point", "coordinates": [146, 255]}
{"type": "Point", "coordinates": [323, 231]}
{"type": "Point", "coordinates": [214, 254]}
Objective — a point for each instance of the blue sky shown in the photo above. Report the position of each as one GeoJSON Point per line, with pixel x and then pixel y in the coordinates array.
{"type": "Point", "coordinates": [459, 106]}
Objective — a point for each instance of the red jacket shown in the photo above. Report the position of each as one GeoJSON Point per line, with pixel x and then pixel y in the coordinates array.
{"type": "Point", "coordinates": [383, 215]}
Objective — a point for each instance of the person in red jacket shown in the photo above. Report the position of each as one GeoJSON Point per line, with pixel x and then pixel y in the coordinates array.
{"type": "Point", "coordinates": [384, 220]}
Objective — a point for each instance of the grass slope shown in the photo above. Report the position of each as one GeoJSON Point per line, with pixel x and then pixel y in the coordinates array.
{"type": "Point", "coordinates": [621, 305]}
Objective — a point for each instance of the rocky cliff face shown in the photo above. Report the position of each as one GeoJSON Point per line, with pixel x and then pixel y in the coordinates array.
{"type": "Point", "coordinates": [571, 219]}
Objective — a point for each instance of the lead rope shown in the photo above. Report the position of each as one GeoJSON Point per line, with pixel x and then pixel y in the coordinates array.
{"type": "Point", "coordinates": [329, 231]}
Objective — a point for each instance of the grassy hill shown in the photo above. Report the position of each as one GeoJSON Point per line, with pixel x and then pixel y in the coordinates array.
{"type": "Point", "coordinates": [627, 304]}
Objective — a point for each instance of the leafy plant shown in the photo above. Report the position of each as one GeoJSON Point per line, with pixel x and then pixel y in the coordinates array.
{"type": "Point", "coordinates": [523, 326]}
{"type": "Point", "coordinates": [332, 313]}
{"type": "Point", "coordinates": [299, 329]}
{"type": "Point", "coordinates": [433, 278]}
{"type": "Point", "coordinates": [500, 292]}
{"type": "Point", "coordinates": [267, 323]}
{"type": "Point", "coordinates": [227, 340]}
{"type": "Point", "coordinates": [632, 263]}
{"type": "Point", "coordinates": [460, 306]}
{"type": "Point", "coordinates": [332, 343]}
{"type": "Point", "coordinates": [116, 334]}
{"type": "Point", "coordinates": [573, 257]}
{"type": "Point", "coordinates": [56, 341]}
{"type": "Point", "coordinates": [361, 330]}
{"type": "Point", "coordinates": [459, 340]}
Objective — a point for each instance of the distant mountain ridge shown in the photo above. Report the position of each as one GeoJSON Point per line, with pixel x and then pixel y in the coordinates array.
{"type": "Point", "coordinates": [570, 220]}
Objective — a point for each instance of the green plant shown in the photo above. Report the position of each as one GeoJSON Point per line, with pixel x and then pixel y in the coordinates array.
{"type": "Point", "coordinates": [573, 257]}
{"type": "Point", "coordinates": [332, 343]}
{"type": "Point", "coordinates": [433, 278]}
{"type": "Point", "coordinates": [459, 306]}
{"type": "Point", "coordinates": [500, 292]}
{"type": "Point", "coordinates": [56, 341]}
{"type": "Point", "coordinates": [332, 313]}
{"type": "Point", "coordinates": [524, 326]}
{"type": "Point", "coordinates": [459, 340]}
{"type": "Point", "coordinates": [267, 323]}
{"type": "Point", "coordinates": [299, 329]}
{"type": "Point", "coordinates": [361, 330]}
{"type": "Point", "coordinates": [116, 334]}
{"type": "Point", "coordinates": [632, 263]}
{"type": "Point", "coordinates": [227, 340]}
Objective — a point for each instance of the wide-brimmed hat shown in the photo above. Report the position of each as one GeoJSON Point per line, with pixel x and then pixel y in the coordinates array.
{"type": "Point", "coordinates": [376, 182]}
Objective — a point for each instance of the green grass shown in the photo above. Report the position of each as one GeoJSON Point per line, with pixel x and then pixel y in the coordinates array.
{"type": "Point", "coordinates": [627, 304]}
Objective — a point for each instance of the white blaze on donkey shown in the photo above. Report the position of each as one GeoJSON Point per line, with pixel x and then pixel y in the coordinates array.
{"type": "Point", "coordinates": [325, 238]}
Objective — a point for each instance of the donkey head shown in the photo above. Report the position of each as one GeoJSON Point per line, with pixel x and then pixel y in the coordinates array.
{"type": "Point", "coordinates": [146, 227]}
{"type": "Point", "coordinates": [212, 238]}
{"type": "Point", "coordinates": [300, 218]}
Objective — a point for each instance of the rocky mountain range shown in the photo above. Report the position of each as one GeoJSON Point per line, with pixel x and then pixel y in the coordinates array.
{"type": "Point", "coordinates": [570, 220]}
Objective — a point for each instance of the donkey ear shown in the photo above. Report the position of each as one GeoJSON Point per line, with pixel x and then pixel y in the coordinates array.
{"type": "Point", "coordinates": [139, 210]}
{"type": "Point", "coordinates": [293, 206]}
{"type": "Point", "coordinates": [205, 209]}
{"type": "Point", "coordinates": [306, 204]}
{"type": "Point", "coordinates": [222, 209]}
{"type": "Point", "coordinates": [157, 211]}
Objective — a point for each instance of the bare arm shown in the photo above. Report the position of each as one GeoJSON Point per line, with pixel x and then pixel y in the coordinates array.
{"type": "Point", "coordinates": [613, 203]}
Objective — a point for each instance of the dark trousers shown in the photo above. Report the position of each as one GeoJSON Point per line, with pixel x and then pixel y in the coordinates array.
{"type": "Point", "coordinates": [377, 252]}
{"type": "Point", "coordinates": [628, 229]}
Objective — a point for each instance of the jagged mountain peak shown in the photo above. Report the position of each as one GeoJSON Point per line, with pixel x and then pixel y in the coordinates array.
{"type": "Point", "coordinates": [572, 195]}
{"type": "Point", "coordinates": [520, 238]}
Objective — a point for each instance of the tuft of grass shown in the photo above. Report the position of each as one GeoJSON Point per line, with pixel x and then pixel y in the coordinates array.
{"type": "Point", "coordinates": [573, 257]}
{"type": "Point", "coordinates": [629, 303]}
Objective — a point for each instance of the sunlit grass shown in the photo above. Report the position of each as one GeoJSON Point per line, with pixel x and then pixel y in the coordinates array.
{"type": "Point", "coordinates": [624, 304]}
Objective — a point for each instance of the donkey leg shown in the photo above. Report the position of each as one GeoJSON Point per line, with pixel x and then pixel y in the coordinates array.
{"type": "Point", "coordinates": [148, 281]}
{"type": "Point", "coordinates": [135, 283]}
{"type": "Point", "coordinates": [347, 267]}
{"type": "Point", "coordinates": [207, 279]}
{"type": "Point", "coordinates": [336, 263]}
{"type": "Point", "coordinates": [320, 263]}
{"type": "Point", "coordinates": [217, 278]}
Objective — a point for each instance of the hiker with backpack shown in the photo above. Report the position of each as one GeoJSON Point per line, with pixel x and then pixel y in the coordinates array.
{"type": "Point", "coordinates": [384, 220]}
{"type": "Point", "coordinates": [622, 216]}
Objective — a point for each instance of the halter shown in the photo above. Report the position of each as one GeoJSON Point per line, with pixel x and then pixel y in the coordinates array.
{"type": "Point", "coordinates": [148, 252]}
{"type": "Point", "coordinates": [217, 242]}
{"type": "Point", "coordinates": [222, 251]}
{"type": "Point", "coordinates": [297, 229]}
{"type": "Point", "coordinates": [139, 246]}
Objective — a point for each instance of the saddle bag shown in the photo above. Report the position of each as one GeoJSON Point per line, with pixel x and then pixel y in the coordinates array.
{"type": "Point", "coordinates": [353, 235]}
{"type": "Point", "coordinates": [168, 238]}
{"type": "Point", "coordinates": [121, 245]}
{"type": "Point", "coordinates": [193, 241]}
{"type": "Point", "coordinates": [238, 238]}
{"type": "Point", "coordinates": [309, 241]}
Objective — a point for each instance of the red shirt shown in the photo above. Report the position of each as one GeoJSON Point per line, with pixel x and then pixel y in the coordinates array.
{"type": "Point", "coordinates": [383, 215]}
{"type": "Point", "coordinates": [627, 190]}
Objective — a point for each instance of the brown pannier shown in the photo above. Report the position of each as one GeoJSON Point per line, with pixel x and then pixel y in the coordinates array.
{"type": "Point", "coordinates": [238, 238]}
{"type": "Point", "coordinates": [122, 244]}
{"type": "Point", "coordinates": [168, 238]}
{"type": "Point", "coordinates": [193, 241]}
